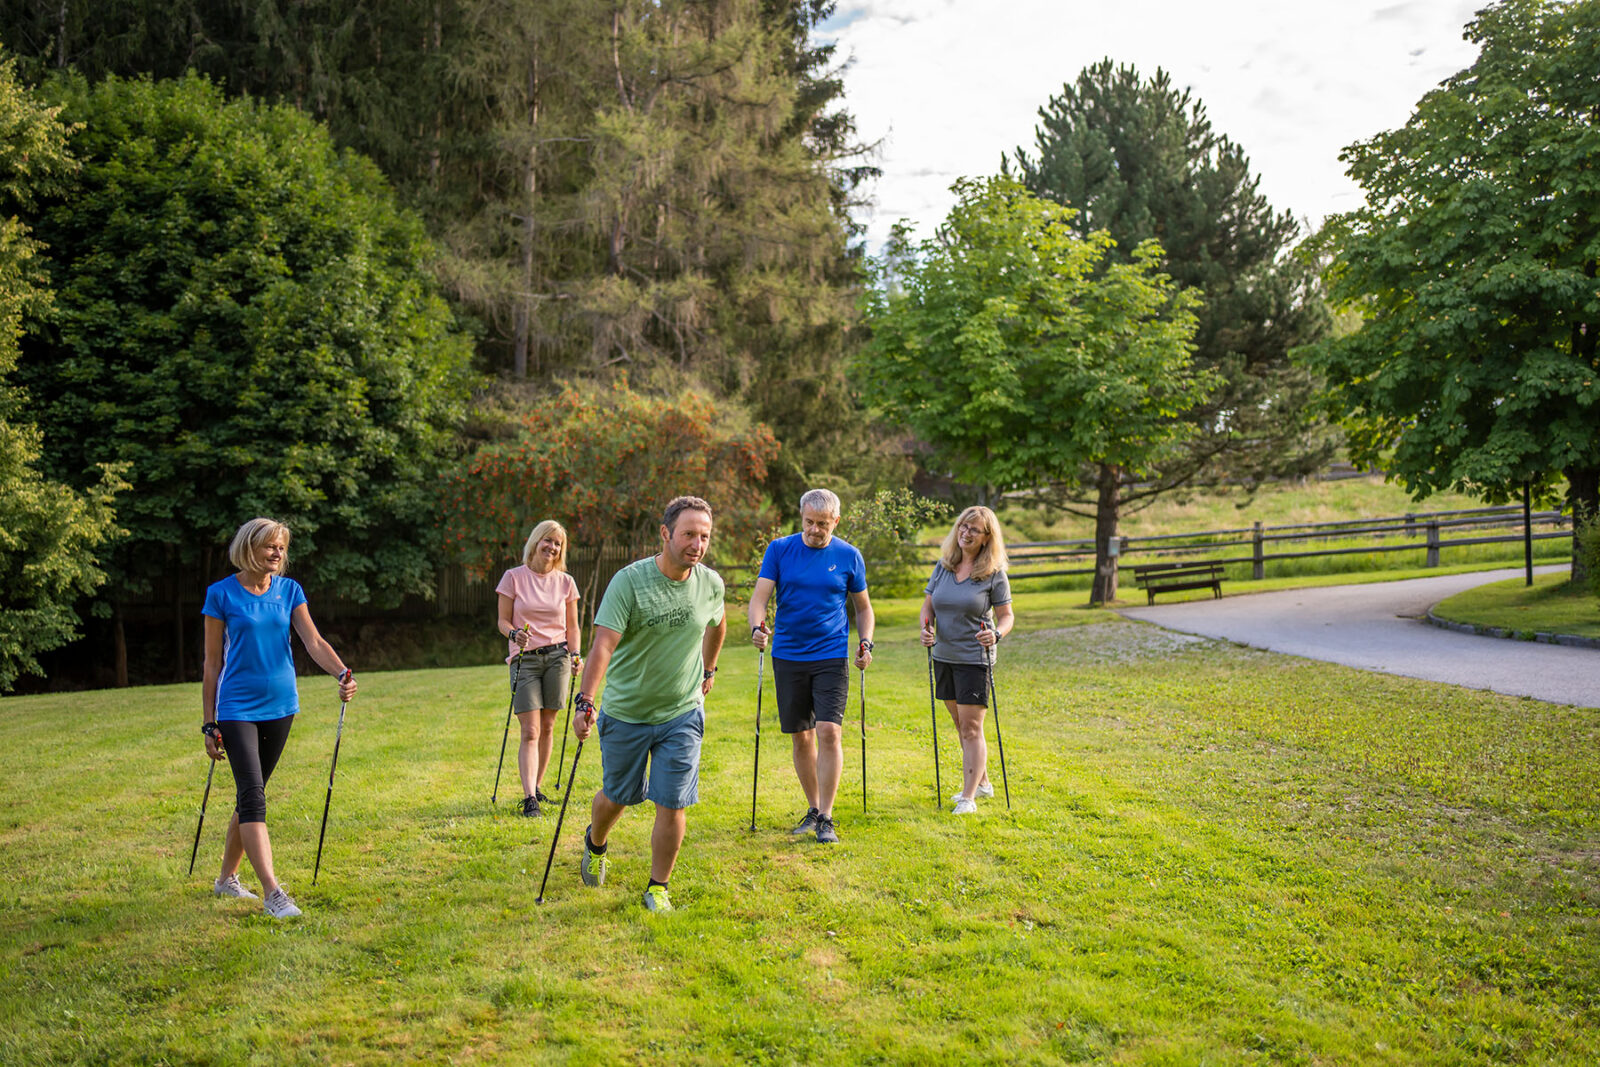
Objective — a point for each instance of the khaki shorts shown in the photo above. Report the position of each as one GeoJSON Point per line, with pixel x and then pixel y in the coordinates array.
{"type": "Point", "coordinates": [541, 680]}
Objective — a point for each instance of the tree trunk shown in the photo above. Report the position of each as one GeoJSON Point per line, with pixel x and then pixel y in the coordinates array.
{"type": "Point", "coordinates": [530, 179]}
{"type": "Point", "coordinates": [438, 111]}
{"type": "Point", "coordinates": [177, 622]}
{"type": "Point", "coordinates": [1108, 510]}
{"type": "Point", "coordinates": [1583, 500]}
{"type": "Point", "coordinates": [119, 646]}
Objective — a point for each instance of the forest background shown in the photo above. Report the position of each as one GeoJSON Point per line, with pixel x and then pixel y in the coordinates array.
{"type": "Point", "coordinates": [412, 275]}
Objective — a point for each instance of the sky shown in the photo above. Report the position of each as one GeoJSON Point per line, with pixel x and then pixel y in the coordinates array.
{"type": "Point", "coordinates": [946, 87]}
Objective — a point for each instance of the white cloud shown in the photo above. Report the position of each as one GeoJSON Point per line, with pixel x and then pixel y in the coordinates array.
{"type": "Point", "coordinates": [949, 86]}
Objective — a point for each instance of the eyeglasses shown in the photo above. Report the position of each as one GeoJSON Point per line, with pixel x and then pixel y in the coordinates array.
{"type": "Point", "coordinates": [967, 526]}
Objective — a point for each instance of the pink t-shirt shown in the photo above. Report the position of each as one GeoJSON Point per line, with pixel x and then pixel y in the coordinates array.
{"type": "Point", "coordinates": [538, 601]}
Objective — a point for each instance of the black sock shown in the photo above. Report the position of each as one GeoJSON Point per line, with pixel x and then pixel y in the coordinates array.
{"type": "Point", "coordinates": [663, 885]}
{"type": "Point", "coordinates": [598, 850]}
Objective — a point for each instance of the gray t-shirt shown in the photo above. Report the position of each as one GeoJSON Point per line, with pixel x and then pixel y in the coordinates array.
{"type": "Point", "coordinates": [957, 609]}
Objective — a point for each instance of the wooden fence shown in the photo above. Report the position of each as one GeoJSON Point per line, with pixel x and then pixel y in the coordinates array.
{"type": "Point", "coordinates": [1430, 534]}
{"type": "Point", "coordinates": [1427, 533]}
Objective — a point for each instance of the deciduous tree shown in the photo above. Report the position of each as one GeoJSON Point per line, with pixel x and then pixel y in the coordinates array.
{"type": "Point", "coordinates": [1140, 159]}
{"type": "Point", "coordinates": [49, 533]}
{"type": "Point", "coordinates": [244, 316]}
{"type": "Point", "coordinates": [1473, 262]}
{"type": "Point", "coordinates": [1025, 354]}
{"type": "Point", "coordinates": [605, 461]}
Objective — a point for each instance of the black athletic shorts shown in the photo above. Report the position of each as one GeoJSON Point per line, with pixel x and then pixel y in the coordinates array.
{"type": "Point", "coordinates": [965, 683]}
{"type": "Point", "coordinates": [811, 691]}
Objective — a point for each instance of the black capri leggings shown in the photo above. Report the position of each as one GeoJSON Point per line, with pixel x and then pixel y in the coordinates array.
{"type": "Point", "coordinates": [253, 749]}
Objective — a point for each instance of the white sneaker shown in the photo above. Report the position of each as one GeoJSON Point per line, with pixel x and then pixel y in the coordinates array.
{"type": "Point", "coordinates": [983, 792]}
{"type": "Point", "coordinates": [231, 887]}
{"type": "Point", "coordinates": [964, 807]}
{"type": "Point", "coordinates": [279, 905]}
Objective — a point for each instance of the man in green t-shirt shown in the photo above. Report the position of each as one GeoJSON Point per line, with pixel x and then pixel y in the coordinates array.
{"type": "Point", "coordinates": [659, 629]}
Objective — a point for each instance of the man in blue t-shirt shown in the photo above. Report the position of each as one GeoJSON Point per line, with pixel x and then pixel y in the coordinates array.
{"type": "Point", "coordinates": [814, 573]}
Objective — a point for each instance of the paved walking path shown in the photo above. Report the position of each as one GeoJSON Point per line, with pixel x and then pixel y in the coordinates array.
{"type": "Point", "coordinates": [1379, 627]}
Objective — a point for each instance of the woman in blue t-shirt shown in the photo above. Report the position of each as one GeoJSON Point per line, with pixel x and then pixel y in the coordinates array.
{"type": "Point", "coordinates": [248, 700]}
{"type": "Point", "coordinates": [968, 583]}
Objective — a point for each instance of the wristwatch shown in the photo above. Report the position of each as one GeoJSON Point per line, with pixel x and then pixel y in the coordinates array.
{"type": "Point", "coordinates": [868, 645]}
{"type": "Point", "coordinates": [706, 674]}
{"type": "Point", "coordinates": [210, 729]}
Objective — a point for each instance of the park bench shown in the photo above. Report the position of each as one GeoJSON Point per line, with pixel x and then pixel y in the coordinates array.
{"type": "Point", "coordinates": [1156, 578]}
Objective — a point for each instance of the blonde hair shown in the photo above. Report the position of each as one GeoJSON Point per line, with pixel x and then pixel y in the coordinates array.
{"type": "Point", "coordinates": [249, 538]}
{"type": "Point", "coordinates": [991, 557]}
{"type": "Point", "coordinates": [540, 532]}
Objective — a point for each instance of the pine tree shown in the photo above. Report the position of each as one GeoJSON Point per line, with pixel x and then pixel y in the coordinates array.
{"type": "Point", "coordinates": [656, 187]}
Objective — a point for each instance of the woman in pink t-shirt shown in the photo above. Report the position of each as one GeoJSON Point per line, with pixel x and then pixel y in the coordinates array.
{"type": "Point", "coordinates": [539, 615]}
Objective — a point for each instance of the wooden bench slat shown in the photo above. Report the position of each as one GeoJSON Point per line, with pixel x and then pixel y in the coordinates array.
{"type": "Point", "coordinates": [1156, 578]}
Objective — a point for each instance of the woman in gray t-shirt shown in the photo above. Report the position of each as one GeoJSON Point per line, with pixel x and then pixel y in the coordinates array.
{"type": "Point", "coordinates": [968, 587]}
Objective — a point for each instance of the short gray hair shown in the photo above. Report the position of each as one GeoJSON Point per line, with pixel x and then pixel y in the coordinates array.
{"type": "Point", "coordinates": [822, 500]}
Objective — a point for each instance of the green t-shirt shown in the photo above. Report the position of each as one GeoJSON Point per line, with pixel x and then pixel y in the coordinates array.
{"type": "Point", "coordinates": [655, 673]}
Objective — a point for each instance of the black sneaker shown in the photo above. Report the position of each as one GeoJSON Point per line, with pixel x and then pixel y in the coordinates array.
{"type": "Point", "coordinates": [530, 806]}
{"type": "Point", "coordinates": [825, 833]}
{"type": "Point", "coordinates": [807, 824]}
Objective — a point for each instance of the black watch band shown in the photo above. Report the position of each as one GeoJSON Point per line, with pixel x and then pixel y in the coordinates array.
{"type": "Point", "coordinates": [868, 645]}
{"type": "Point", "coordinates": [210, 729]}
{"type": "Point", "coordinates": [706, 674]}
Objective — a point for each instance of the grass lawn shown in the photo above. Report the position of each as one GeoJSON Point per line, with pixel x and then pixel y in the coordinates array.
{"type": "Point", "coordinates": [1214, 856]}
{"type": "Point", "coordinates": [1553, 604]}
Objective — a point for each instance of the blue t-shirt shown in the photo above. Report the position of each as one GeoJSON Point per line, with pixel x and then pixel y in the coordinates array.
{"type": "Point", "coordinates": [257, 680]}
{"type": "Point", "coordinates": [812, 583]}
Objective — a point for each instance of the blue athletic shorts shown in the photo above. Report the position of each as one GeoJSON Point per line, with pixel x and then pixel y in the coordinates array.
{"type": "Point", "coordinates": [659, 763]}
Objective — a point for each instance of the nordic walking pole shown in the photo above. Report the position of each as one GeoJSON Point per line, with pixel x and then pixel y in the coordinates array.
{"type": "Point", "coordinates": [863, 738]}
{"type": "Point", "coordinates": [573, 777]}
{"type": "Point", "coordinates": [933, 718]}
{"type": "Point", "coordinates": [203, 799]}
{"type": "Point", "coordinates": [755, 775]}
{"type": "Point", "coordinates": [326, 804]}
{"type": "Point", "coordinates": [566, 722]}
{"type": "Point", "coordinates": [994, 705]}
{"type": "Point", "coordinates": [516, 674]}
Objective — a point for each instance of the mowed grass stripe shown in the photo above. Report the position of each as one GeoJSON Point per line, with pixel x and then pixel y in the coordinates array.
{"type": "Point", "coordinates": [1214, 855]}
